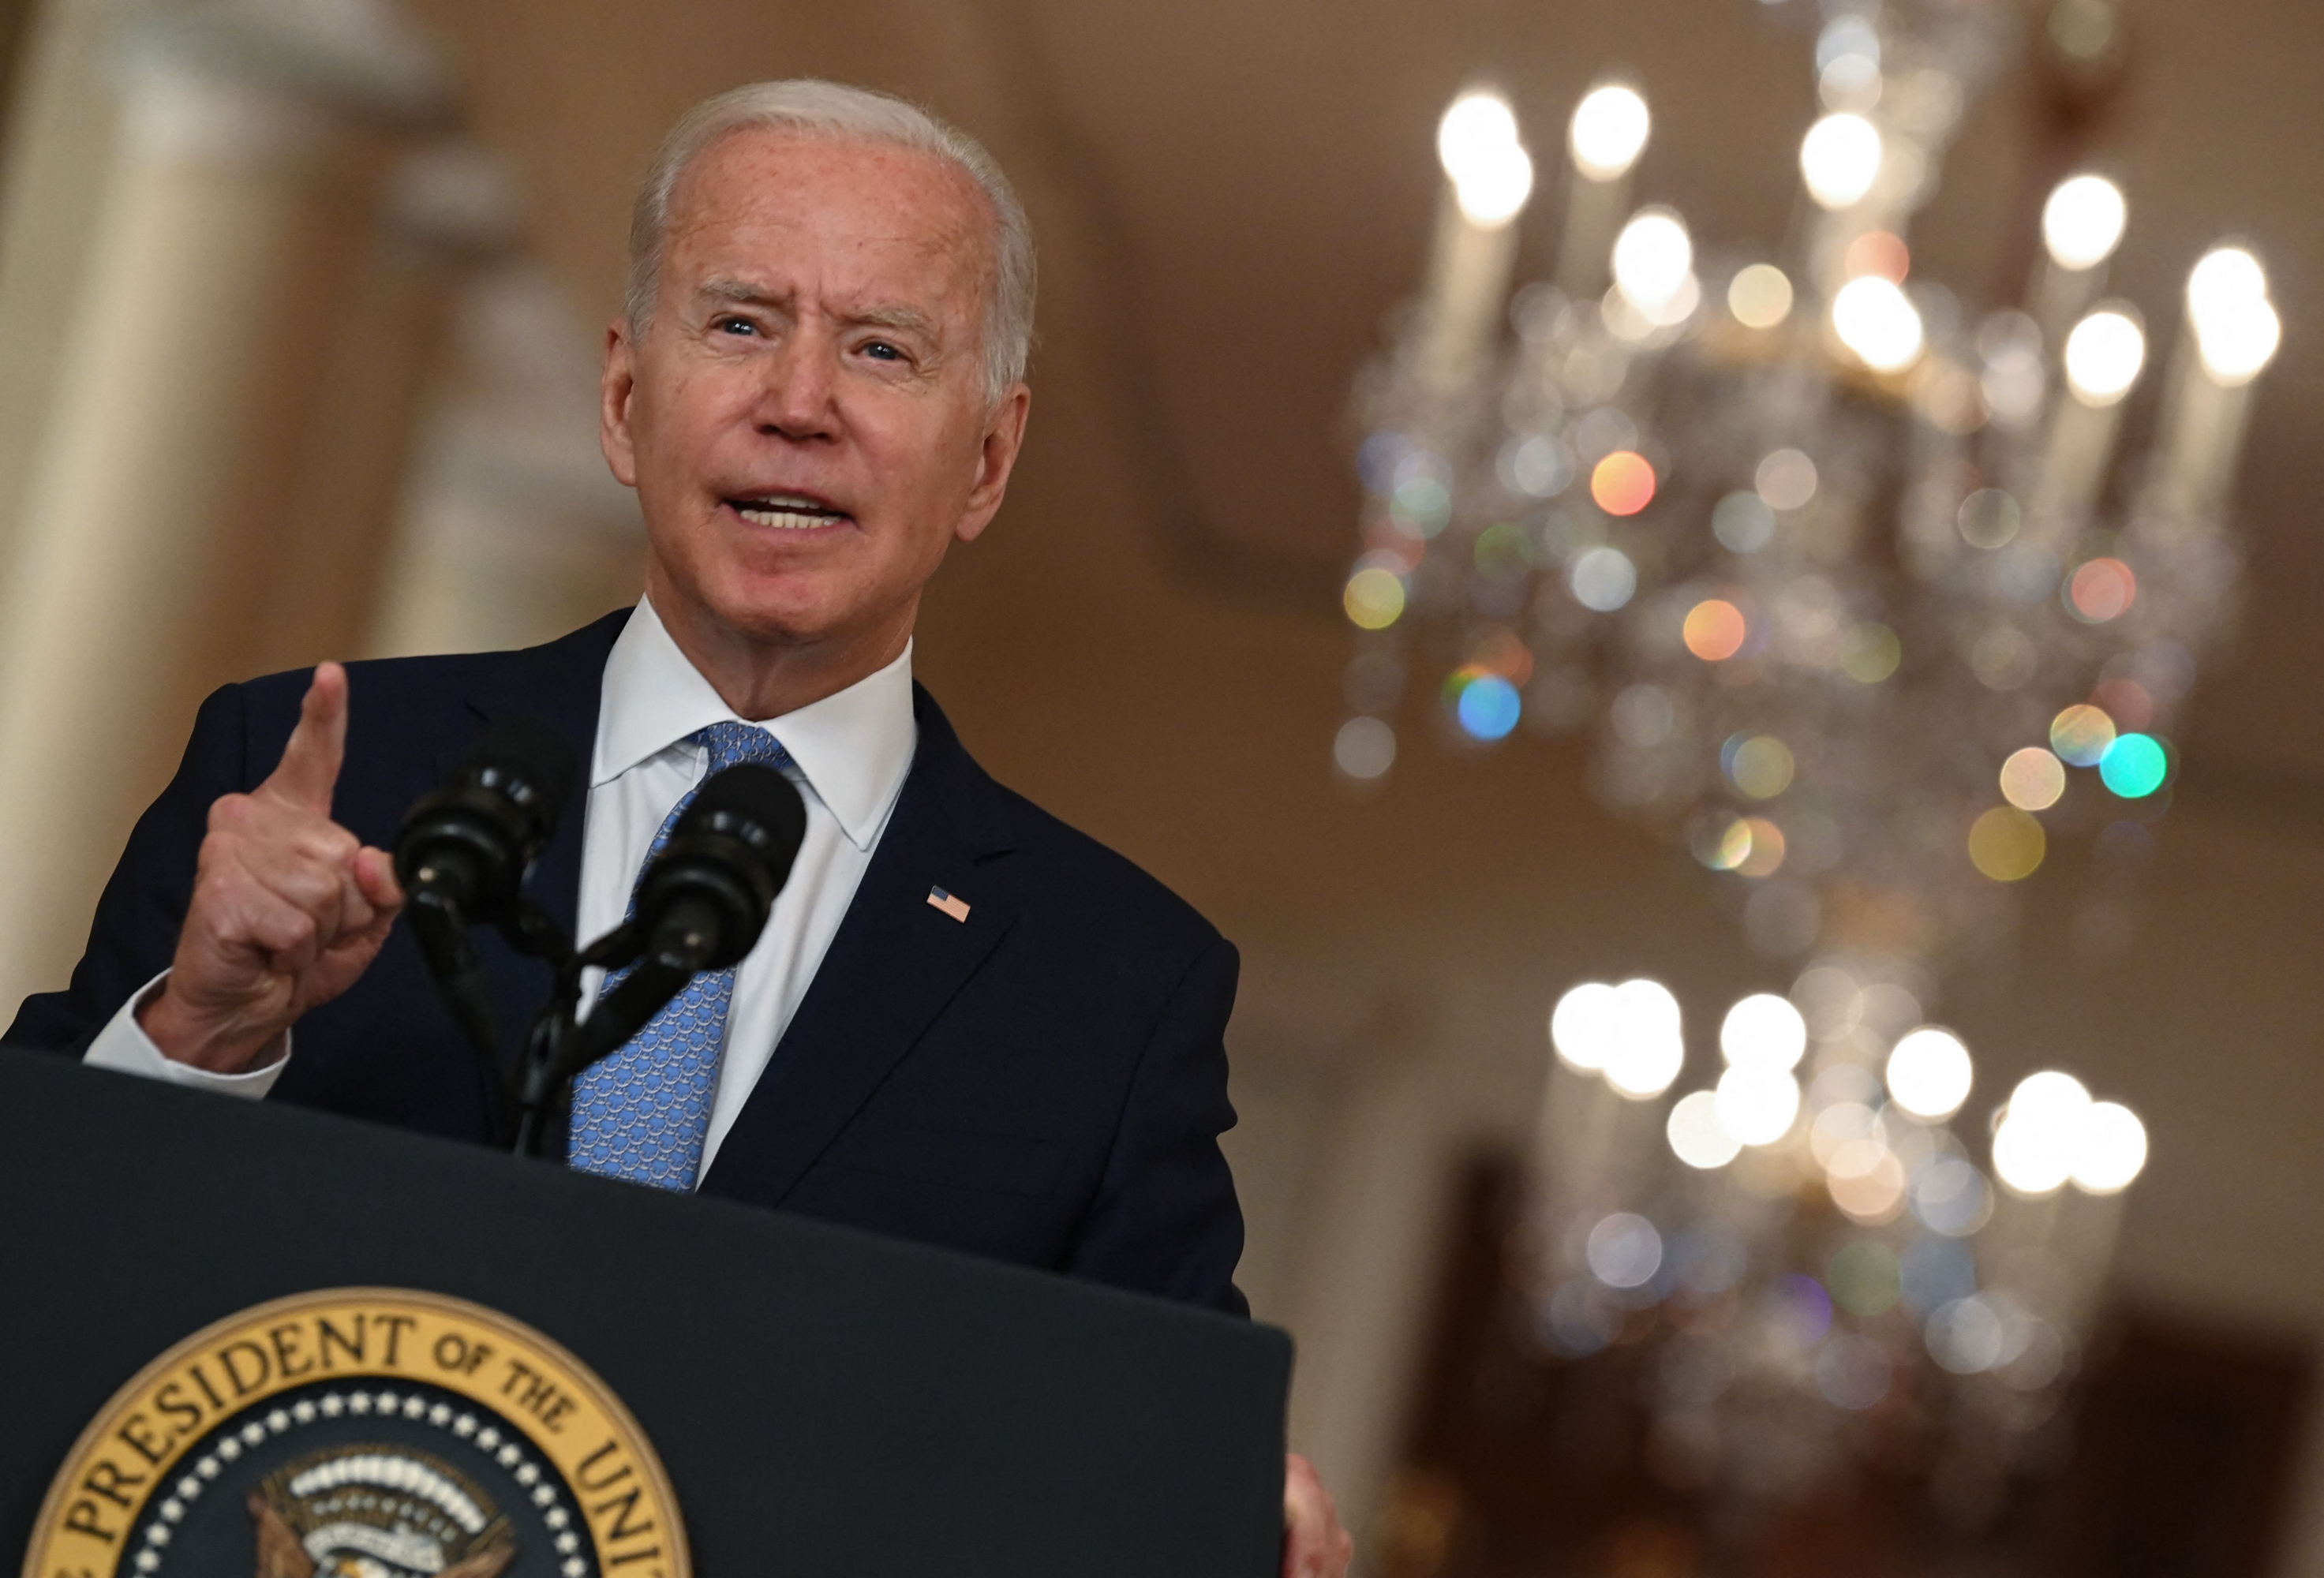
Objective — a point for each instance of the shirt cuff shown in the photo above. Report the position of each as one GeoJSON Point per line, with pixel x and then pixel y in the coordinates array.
{"type": "Point", "coordinates": [124, 1046]}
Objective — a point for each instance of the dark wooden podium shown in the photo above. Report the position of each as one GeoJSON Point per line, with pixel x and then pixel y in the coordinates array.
{"type": "Point", "coordinates": [825, 1402]}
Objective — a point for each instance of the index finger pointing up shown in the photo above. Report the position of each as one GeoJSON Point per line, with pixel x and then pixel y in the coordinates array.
{"type": "Point", "coordinates": [309, 767]}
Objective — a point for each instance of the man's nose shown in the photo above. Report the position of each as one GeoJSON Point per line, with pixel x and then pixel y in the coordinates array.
{"type": "Point", "coordinates": [799, 399]}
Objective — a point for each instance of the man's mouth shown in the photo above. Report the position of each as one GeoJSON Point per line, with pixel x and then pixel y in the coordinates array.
{"type": "Point", "coordinates": [788, 511]}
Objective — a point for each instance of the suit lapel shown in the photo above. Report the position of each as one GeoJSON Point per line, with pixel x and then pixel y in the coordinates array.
{"type": "Point", "coordinates": [562, 684]}
{"type": "Point", "coordinates": [894, 965]}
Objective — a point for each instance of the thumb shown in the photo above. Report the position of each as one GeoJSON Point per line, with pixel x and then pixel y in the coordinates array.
{"type": "Point", "coordinates": [309, 768]}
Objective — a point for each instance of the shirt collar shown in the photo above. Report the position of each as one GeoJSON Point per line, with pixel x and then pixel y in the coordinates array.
{"type": "Point", "coordinates": [853, 747]}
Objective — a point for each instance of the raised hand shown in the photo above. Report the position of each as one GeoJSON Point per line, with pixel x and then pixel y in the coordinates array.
{"type": "Point", "coordinates": [289, 906]}
{"type": "Point", "coordinates": [1314, 1545]}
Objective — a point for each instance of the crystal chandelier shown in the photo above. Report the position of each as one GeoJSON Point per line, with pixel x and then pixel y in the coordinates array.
{"type": "Point", "coordinates": [1864, 604]}
{"type": "Point", "coordinates": [1852, 578]}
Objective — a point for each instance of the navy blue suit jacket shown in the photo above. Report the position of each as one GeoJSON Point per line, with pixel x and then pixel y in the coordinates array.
{"type": "Point", "coordinates": [1043, 1084]}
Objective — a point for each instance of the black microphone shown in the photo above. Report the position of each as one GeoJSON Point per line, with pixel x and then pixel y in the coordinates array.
{"type": "Point", "coordinates": [468, 843]}
{"type": "Point", "coordinates": [700, 906]}
{"type": "Point", "coordinates": [463, 850]}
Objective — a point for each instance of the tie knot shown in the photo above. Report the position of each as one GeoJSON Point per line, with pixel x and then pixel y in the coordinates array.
{"type": "Point", "coordinates": [731, 743]}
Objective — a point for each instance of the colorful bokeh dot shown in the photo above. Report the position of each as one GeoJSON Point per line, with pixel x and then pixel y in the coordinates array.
{"type": "Point", "coordinates": [1374, 598]}
{"type": "Point", "coordinates": [2080, 735]}
{"type": "Point", "coordinates": [2006, 844]}
{"type": "Point", "coordinates": [2033, 780]}
{"type": "Point", "coordinates": [2134, 766]}
{"type": "Point", "coordinates": [1623, 483]}
{"type": "Point", "coordinates": [1715, 629]}
{"type": "Point", "coordinates": [1488, 706]}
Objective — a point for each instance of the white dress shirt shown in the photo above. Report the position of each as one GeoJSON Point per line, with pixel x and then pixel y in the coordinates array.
{"type": "Point", "coordinates": [850, 751]}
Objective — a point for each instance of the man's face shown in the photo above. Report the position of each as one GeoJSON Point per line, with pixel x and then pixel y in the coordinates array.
{"type": "Point", "coordinates": [806, 418]}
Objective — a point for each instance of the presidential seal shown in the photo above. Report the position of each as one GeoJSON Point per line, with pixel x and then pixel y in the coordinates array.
{"type": "Point", "coordinates": [362, 1433]}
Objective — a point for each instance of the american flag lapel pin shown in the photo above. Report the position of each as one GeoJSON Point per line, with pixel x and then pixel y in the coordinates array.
{"type": "Point", "coordinates": [940, 900]}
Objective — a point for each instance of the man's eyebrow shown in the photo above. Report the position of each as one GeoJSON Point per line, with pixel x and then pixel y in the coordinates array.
{"type": "Point", "coordinates": [907, 319]}
{"type": "Point", "coordinates": [741, 292]}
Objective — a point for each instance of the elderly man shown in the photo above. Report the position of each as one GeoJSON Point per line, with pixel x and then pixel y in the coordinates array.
{"type": "Point", "coordinates": [966, 1022]}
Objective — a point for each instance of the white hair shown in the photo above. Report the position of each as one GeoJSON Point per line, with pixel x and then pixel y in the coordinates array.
{"type": "Point", "coordinates": [834, 110]}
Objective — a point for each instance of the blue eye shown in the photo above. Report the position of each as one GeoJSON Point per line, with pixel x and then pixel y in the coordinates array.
{"type": "Point", "coordinates": [884, 351]}
{"type": "Point", "coordinates": [735, 325]}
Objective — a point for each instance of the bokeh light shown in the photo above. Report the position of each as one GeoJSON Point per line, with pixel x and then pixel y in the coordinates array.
{"type": "Point", "coordinates": [1602, 578]}
{"type": "Point", "coordinates": [1477, 143]}
{"type": "Point", "coordinates": [1723, 841]}
{"type": "Point", "coordinates": [1364, 748]}
{"type": "Point", "coordinates": [2033, 780]}
{"type": "Point", "coordinates": [1585, 1025]}
{"type": "Point", "coordinates": [2035, 1146]}
{"type": "Point", "coordinates": [1965, 1336]}
{"type": "Point", "coordinates": [1651, 1046]}
{"type": "Point", "coordinates": [2134, 766]}
{"type": "Point", "coordinates": [1743, 523]}
{"type": "Point", "coordinates": [2110, 1150]}
{"type": "Point", "coordinates": [2236, 330]}
{"type": "Point", "coordinates": [1757, 1106]}
{"type": "Point", "coordinates": [2082, 222]}
{"type": "Point", "coordinates": [1989, 517]}
{"type": "Point", "coordinates": [1715, 629]}
{"type": "Point", "coordinates": [1853, 1373]}
{"type": "Point", "coordinates": [2100, 590]}
{"type": "Point", "coordinates": [1609, 131]}
{"type": "Point", "coordinates": [1623, 483]}
{"type": "Point", "coordinates": [1654, 258]}
{"type": "Point", "coordinates": [1697, 1138]}
{"type": "Point", "coordinates": [1374, 598]}
{"type": "Point", "coordinates": [1870, 653]}
{"type": "Point", "coordinates": [1930, 1073]}
{"type": "Point", "coordinates": [1876, 321]}
{"type": "Point", "coordinates": [1840, 159]}
{"type": "Point", "coordinates": [2006, 844]}
{"type": "Point", "coordinates": [2104, 355]}
{"type": "Point", "coordinates": [1879, 253]}
{"type": "Point", "coordinates": [1949, 1196]}
{"type": "Point", "coordinates": [1624, 1251]}
{"type": "Point", "coordinates": [1759, 296]}
{"type": "Point", "coordinates": [1865, 1278]}
{"type": "Point", "coordinates": [2080, 735]}
{"type": "Point", "coordinates": [1764, 1031]}
{"type": "Point", "coordinates": [1488, 707]}
{"type": "Point", "coordinates": [1769, 847]}
{"type": "Point", "coordinates": [1867, 1182]}
{"type": "Point", "coordinates": [1785, 479]}
{"type": "Point", "coordinates": [1761, 766]}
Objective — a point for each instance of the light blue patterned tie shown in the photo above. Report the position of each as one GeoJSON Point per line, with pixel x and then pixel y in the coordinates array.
{"type": "Point", "coordinates": [642, 1112]}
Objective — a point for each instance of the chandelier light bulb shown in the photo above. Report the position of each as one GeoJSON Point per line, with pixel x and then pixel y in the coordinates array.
{"type": "Point", "coordinates": [1649, 1047]}
{"type": "Point", "coordinates": [1654, 257]}
{"type": "Point", "coordinates": [2110, 1150]}
{"type": "Point", "coordinates": [2236, 330]}
{"type": "Point", "coordinates": [1609, 132]}
{"type": "Point", "coordinates": [1491, 172]}
{"type": "Point", "coordinates": [1929, 1072]}
{"type": "Point", "coordinates": [1756, 1105]}
{"type": "Point", "coordinates": [1874, 318]}
{"type": "Point", "coordinates": [2082, 222]}
{"type": "Point", "coordinates": [2104, 355]}
{"type": "Point", "coordinates": [1585, 1025]}
{"type": "Point", "coordinates": [1840, 159]}
{"type": "Point", "coordinates": [2040, 1135]}
{"type": "Point", "coordinates": [1764, 1031]}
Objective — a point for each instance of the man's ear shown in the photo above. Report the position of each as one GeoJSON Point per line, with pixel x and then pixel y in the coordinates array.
{"type": "Point", "coordinates": [617, 386]}
{"type": "Point", "coordinates": [1004, 437]}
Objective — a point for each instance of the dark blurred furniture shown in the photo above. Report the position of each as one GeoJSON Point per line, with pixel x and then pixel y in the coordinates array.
{"type": "Point", "coordinates": [2172, 1460]}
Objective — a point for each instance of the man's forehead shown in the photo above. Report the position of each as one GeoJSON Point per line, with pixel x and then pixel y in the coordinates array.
{"type": "Point", "coordinates": [788, 187]}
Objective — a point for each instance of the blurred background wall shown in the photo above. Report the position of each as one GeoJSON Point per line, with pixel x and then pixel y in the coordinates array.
{"type": "Point", "coordinates": [301, 308]}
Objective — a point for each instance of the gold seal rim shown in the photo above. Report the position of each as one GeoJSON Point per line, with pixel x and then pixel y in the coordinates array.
{"type": "Point", "coordinates": [109, 1417]}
